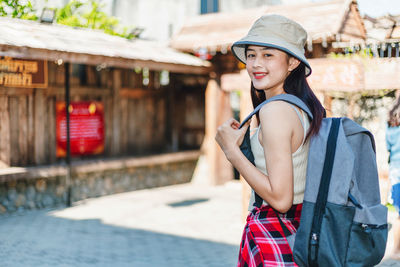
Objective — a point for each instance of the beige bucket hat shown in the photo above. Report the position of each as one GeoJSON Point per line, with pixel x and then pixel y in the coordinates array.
{"type": "Point", "coordinates": [277, 32]}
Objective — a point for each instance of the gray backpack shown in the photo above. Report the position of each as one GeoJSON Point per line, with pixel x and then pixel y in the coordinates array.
{"type": "Point", "coordinates": [342, 222]}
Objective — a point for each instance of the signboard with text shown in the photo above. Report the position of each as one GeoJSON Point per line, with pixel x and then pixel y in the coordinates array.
{"type": "Point", "coordinates": [86, 128]}
{"type": "Point", "coordinates": [23, 73]}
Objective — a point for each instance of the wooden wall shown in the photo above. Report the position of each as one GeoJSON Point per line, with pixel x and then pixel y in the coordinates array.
{"type": "Point", "coordinates": [139, 119]}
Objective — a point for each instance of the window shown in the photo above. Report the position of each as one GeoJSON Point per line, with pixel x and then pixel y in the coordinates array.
{"type": "Point", "coordinates": [209, 6]}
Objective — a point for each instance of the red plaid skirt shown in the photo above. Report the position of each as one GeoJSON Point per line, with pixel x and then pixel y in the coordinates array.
{"type": "Point", "coordinates": [263, 242]}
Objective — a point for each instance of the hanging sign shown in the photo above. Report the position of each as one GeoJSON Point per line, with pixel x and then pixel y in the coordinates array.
{"type": "Point", "coordinates": [23, 73]}
{"type": "Point", "coordinates": [86, 128]}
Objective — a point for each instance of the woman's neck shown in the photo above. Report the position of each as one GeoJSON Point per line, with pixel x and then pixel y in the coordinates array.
{"type": "Point", "coordinates": [273, 92]}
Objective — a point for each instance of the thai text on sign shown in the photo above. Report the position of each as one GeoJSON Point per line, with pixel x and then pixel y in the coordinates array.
{"type": "Point", "coordinates": [86, 128]}
{"type": "Point", "coordinates": [23, 72]}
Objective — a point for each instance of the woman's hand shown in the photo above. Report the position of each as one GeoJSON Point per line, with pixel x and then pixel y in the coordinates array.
{"type": "Point", "coordinates": [229, 136]}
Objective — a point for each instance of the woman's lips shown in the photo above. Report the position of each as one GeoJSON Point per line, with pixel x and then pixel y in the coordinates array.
{"type": "Point", "coordinates": [259, 75]}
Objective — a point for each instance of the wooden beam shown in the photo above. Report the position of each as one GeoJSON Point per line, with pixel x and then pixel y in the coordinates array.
{"type": "Point", "coordinates": [136, 93]}
{"type": "Point", "coordinates": [80, 91]}
{"type": "Point", "coordinates": [11, 91]}
{"type": "Point", "coordinates": [79, 58]}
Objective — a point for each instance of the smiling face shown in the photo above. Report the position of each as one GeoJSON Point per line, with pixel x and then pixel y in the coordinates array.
{"type": "Point", "coordinates": [268, 68]}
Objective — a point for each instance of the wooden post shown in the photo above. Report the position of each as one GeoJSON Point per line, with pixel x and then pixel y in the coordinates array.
{"type": "Point", "coordinates": [328, 104]}
{"type": "Point", "coordinates": [23, 130]}
{"type": "Point", "coordinates": [217, 111]}
{"type": "Point", "coordinates": [40, 117]}
{"type": "Point", "coordinates": [31, 131]}
{"type": "Point", "coordinates": [116, 86]}
{"type": "Point", "coordinates": [124, 125]}
{"type": "Point", "coordinates": [51, 129]}
{"type": "Point", "coordinates": [14, 140]}
{"type": "Point", "coordinates": [5, 149]}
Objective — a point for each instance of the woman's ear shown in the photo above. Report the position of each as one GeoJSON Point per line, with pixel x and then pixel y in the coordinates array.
{"type": "Point", "coordinates": [293, 63]}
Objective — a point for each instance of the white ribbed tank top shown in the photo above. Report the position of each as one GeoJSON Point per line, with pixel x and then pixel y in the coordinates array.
{"type": "Point", "coordinates": [299, 158]}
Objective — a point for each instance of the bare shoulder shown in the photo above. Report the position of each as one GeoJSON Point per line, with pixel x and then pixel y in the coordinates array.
{"type": "Point", "coordinates": [278, 120]}
{"type": "Point", "coordinates": [277, 111]}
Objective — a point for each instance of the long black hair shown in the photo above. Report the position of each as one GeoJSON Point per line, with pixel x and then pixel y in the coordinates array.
{"type": "Point", "coordinates": [296, 84]}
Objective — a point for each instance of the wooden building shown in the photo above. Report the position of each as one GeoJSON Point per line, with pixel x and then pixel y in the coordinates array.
{"type": "Point", "coordinates": [136, 114]}
{"type": "Point", "coordinates": [152, 95]}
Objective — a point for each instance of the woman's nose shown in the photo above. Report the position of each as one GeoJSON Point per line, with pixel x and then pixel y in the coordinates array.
{"type": "Point", "coordinates": [257, 61]}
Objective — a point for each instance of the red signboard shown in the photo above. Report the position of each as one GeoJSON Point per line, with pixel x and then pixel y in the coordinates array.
{"type": "Point", "coordinates": [86, 128]}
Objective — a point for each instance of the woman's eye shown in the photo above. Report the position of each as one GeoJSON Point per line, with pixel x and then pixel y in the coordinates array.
{"type": "Point", "coordinates": [250, 55]}
{"type": "Point", "coordinates": [267, 55]}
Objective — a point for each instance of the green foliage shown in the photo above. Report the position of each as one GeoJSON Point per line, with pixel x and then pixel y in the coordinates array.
{"type": "Point", "coordinates": [77, 13]}
{"type": "Point", "coordinates": [89, 14]}
{"type": "Point", "coordinates": [17, 9]}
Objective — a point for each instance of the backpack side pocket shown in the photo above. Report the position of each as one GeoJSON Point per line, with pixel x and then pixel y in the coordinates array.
{"type": "Point", "coordinates": [335, 233]}
{"type": "Point", "coordinates": [367, 243]}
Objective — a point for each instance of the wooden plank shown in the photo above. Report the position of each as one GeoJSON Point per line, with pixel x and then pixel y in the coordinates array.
{"type": "Point", "coordinates": [52, 73]}
{"type": "Point", "coordinates": [39, 121]}
{"type": "Point", "coordinates": [116, 133]}
{"type": "Point", "coordinates": [60, 75]}
{"type": "Point", "coordinates": [149, 122]}
{"type": "Point", "coordinates": [23, 130]}
{"type": "Point", "coordinates": [125, 79]}
{"type": "Point", "coordinates": [156, 80]}
{"type": "Point", "coordinates": [132, 126]}
{"type": "Point", "coordinates": [5, 148]}
{"type": "Point", "coordinates": [31, 130]}
{"type": "Point", "coordinates": [51, 129]}
{"type": "Point", "coordinates": [91, 76]}
{"type": "Point", "coordinates": [160, 122]}
{"type": "Point", "coordinates": [108, 120]}
{"type": "Point", "coordinates": [136, 80]}
{"type": "Point", "coordinates": [124, 125]}
{"type": "Point", "coordinates": [150, 85]}
{"type": "Point", "coordinates": [14, 140]}
{"type": "Point", "coordinates": [140, 133]}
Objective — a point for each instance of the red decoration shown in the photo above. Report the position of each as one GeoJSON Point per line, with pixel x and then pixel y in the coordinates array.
{"type": "Point", "coordinates": [86, 128]}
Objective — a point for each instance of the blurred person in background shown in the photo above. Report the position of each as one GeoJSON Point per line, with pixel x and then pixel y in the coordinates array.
{"type": "Point", "coordinates": [393, 146]}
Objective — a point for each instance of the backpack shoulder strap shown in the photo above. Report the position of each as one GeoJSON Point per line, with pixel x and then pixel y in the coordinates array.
{"type": "Point", "coordinates": [282, 97]}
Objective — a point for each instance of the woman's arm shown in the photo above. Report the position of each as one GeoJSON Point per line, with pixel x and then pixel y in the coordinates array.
{"type": "Point", "coordinates": [276, 188]}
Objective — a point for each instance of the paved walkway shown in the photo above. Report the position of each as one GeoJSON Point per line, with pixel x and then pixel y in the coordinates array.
{"type": "Point", "coordinates": [176, 226]}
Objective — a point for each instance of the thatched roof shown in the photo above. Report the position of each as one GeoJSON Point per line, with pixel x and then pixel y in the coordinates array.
{"type": "Point", "coordinates": [30, 39]}
{"type": "Point", "coordinates": [337, 20]}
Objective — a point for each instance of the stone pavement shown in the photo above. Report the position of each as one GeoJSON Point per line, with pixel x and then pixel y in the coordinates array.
{"type": "Point", "coordinates": [178, 226]}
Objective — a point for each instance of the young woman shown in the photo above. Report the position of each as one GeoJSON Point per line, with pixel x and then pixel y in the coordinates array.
{"type": "Point", "coordinates": [393, 146]}
{"type": "Point", "coordinates": [273, 52]}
